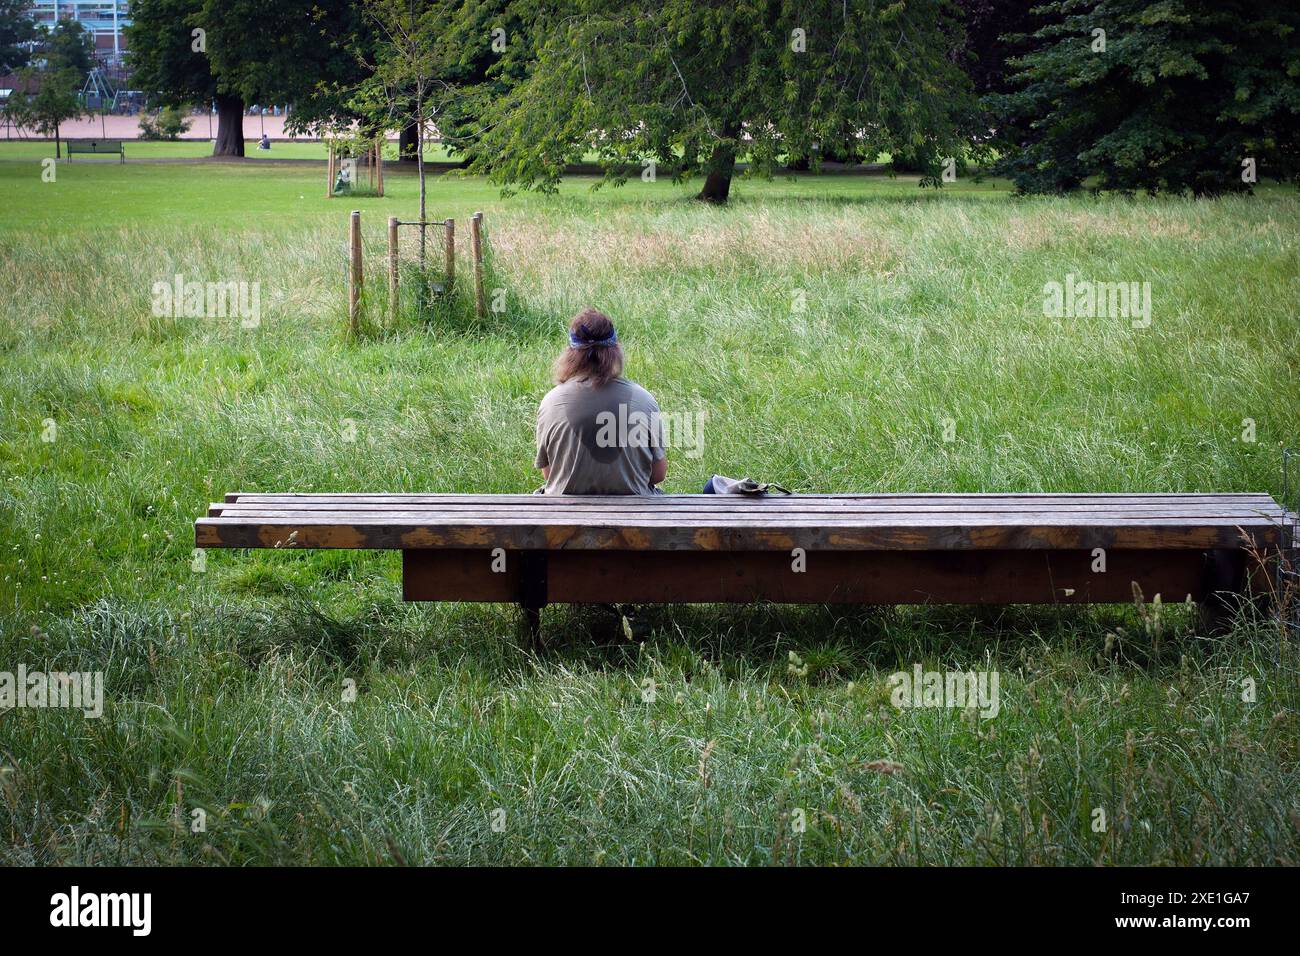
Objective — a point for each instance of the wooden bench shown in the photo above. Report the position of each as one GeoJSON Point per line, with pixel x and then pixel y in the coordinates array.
{"type": "Point", "coordinates": [861, 549]}
{"type": "Point", "coordinates": [99, 147]}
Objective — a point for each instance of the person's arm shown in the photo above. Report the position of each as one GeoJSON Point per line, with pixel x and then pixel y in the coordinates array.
{"type": "Point", "coordinates": [659, 471]}
{"type": "Point", "coordinates": [658, 447]}
{"type": "Point", "coordinates": [543, 459]}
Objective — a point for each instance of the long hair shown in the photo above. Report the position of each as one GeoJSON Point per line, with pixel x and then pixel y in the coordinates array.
{"type": "Point", "coordinates": [589, 360]}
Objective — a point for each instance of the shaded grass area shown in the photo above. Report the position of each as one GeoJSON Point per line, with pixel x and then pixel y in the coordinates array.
{"type": "Point", "coordinates": [829, 328]}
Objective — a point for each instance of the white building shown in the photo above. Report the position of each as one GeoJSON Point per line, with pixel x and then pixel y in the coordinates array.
{"type": "Point", "coordinates": [105, 20]}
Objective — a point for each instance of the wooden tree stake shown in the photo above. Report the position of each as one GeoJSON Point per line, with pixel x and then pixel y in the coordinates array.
{"type": "Point", "coordinates": [449, 250]}
{"type": "Point", "coordinates": [476, 248]}
{"type": "Point", "coordinates": [392, 269]}
{"type": "Point", "coordinates": [354, 275]}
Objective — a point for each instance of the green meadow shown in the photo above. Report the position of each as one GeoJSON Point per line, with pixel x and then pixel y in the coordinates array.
{"type": "Point", "coordinates": [839, 334]}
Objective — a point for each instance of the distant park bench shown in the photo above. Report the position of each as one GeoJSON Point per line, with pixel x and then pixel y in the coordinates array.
{"type": "Point", "coordinates": [99, 147]}
{"type": "Point", "coordinates": [859, 549]}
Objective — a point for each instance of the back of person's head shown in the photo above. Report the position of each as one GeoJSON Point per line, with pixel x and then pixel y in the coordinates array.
{"type": "Point", "coordinates": [594, 354]}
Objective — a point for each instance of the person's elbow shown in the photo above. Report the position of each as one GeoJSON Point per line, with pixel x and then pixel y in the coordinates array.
{"type": "Point", "coordinates": [659, 471]}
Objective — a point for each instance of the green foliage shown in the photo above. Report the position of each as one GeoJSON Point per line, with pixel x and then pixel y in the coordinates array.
{"type": "Point", "coordinates": [695, 85]}
{"type": "Point", "coordinates": [162, 55]}
{"type": "Point", "coordinates": [278, 52]}
{"type": "Point", "coordinates": [254, 51]}
{"type": "Point", "coordinates": [992, 29]}
{"type": "Point", "coordinates": [17, 31]}
{"type": "Point", "coordinates": [167, 124]}
{"type": "Point", "coordinates": [68, 46]}
{"type": "Point", "coordinates": [47, 99]}
{"type": "Point", "coordinates": [1182, 94]}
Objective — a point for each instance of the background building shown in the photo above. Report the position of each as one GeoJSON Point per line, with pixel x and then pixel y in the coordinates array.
{"type": "Point", "coordinates": [105, 20]}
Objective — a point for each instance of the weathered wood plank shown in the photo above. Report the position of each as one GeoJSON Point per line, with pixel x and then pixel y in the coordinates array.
{"type": "Point", "coordinates": [933, 534]}
{"type": "Point", "coordinates": [989, 577]}
{"type": "Point", "coordinates": [725, 506]}
{"type": "Point", "coordinates": [651, 518]}
{"type": "Point", "coordinates": [763, 501]}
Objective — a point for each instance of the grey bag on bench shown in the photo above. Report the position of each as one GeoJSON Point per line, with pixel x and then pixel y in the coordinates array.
{"type": "Point", "coordinates": [721, 485]}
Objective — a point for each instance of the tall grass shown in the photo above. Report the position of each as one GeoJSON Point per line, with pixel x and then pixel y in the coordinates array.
{"type": "Point", "coordinates": [226, 685]}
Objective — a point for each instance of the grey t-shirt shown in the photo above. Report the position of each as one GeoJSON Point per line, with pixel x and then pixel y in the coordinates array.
{"type": "Point", "coordinates": [599, 440]}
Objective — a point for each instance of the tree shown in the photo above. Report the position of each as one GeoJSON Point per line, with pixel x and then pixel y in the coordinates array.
{"type": "Point", "coordinates": [994, 32]}
{"type": "Point", "coordinates": [992, 29]}
{"type": "Point", "coordinates": [488, 47]}
{"type": "Point", "coordinates": [168, 56]}
{"type": "Point", "coordinates": [235, 52]}
{"type": "Point", "coordinates": [470, 40]}
{"type": "Point", "coordinates": [293, 51]}
{"type": "Point", "coordinates": [1179, 96]}
{"type": "Point", "coordinates": [18, 34]}
{"type": "Point", "coordinates": [68, 47]}
{"type": "Point", "coordinates": [407, 87]}
{"type": "Point", "coordinates": [693, 85]}
{"type": "Point", "coordinates": [48, 99]}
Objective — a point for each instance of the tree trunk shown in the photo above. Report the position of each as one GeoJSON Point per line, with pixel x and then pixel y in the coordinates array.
{"type": "Point", "coordinates": [717, 181]}
{"type": "Point", "coordinates": [230, 126]}
{"type": "Point", "coordinates": [407, 142]}
{"type": "Point", "coordinates": [57, 143]}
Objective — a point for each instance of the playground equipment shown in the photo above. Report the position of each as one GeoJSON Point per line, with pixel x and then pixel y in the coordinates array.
{"type": "Point", "coordinates": [418, 268]}
{"type": "Point", "coordinates": [98, 93]}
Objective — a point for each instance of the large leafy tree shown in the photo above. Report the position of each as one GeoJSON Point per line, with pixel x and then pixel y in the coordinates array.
{"type": "Point", "coordinates": [18, 31]}
{"type": "Point", "coordinates": [488, 47]}
{"type": "Point", "coordinates": [247, 51]}
{"type": "Point", "coordinates": [291, 51]}
{"type": "Point", "coordinates": [694, 85]}
{"type": "Point", "coordinates": [168, 58]}
{"type": "Point", "coordinates": [1174, 95]}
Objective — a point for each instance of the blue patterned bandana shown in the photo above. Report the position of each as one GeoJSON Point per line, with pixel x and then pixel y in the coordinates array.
{"type": "Point", "coordinates": [577, 343]}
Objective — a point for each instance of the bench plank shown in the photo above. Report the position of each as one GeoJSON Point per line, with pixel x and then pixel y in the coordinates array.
{"type": "Point", "coordinates": [721, 535]}
{"type": "Point", "coordinates": [685, 499]}
{"type": "Point", "coordinates": [834, 577]}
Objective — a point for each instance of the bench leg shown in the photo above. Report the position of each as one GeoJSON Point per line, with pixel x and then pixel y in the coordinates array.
{"type": "Point", "coordinates": [533, 619]}
{"type": "Point", "coordinates": [1223, 589]}
{"type": "Point", "coordinates": [533, 592]}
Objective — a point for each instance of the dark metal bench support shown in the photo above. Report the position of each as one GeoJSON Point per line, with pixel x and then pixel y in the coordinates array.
{"type": "Point", "coordinates": [533, 591]}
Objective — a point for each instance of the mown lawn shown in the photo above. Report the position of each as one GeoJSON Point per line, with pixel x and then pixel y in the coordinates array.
{"type": "Point", "coordinates": [922, 311]}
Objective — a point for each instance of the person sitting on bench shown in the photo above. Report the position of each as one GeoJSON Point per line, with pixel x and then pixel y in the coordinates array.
{"type": "Point", "coordinates": [597, 432]}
